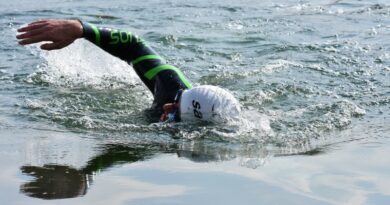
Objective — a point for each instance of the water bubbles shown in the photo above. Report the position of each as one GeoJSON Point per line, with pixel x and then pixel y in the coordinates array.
{"type": "Point", "coordinates": [236, 57]}
{"type": "Point", "coordinates": [83, 122]}
{"type": "Point", "coordinates": [237, 25]}
{"type": "Point", "coordinates": [33, 104]}
{"type": "Point", "coordinates": [372, 32]}
{"type": "Point", "coordinates": [170, 40]}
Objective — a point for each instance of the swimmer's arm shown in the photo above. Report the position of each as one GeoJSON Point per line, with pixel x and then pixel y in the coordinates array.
{"type": "Point", "coordinates": [58, 34]}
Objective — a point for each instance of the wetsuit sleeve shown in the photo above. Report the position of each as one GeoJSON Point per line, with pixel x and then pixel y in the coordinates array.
{"type": "Point", "coordinates": [149, 66]}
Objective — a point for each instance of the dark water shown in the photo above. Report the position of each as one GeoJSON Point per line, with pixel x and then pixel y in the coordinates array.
{"type": "Point", "coordinates": [312, 76]}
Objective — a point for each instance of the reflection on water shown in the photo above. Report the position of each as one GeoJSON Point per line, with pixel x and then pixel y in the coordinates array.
{"type": "Point", "coordinates": [57, 181]}
{"type": "Point", "coordinates": [316, 176]}
{"type": "Point", "coordinates": [53, 181]}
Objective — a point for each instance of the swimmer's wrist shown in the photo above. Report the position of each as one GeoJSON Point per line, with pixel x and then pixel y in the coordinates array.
{"type": "Point", "coordinates": [78, 28]}
{"type": "Point", "coordinates": [90, 32]}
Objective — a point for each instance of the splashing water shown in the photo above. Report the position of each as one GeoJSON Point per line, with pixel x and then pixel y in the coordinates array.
{"type": "Point", "coordinates": [82, 65]}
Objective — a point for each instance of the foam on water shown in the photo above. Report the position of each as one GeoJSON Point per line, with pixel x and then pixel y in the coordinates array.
{"type": "Point", "coordinates": [82, 65]}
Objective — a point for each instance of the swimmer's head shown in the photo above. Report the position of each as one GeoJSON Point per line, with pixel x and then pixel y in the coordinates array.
{"type": "Point", "coordinates": [208, 103]}
{"type": "Point", "coordinates": [203, 103]}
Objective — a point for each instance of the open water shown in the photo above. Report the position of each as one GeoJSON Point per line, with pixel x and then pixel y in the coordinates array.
{"type": "Point", "coordinates": [313, 78]}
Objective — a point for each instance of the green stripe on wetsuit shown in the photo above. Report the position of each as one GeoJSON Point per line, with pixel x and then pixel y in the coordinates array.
{"type": "Point", "coordinates": [154, 71]}
{"type": "Point", "coordinates": [97, 34]}
{"type": "Point", "coordinates": [146, 57]}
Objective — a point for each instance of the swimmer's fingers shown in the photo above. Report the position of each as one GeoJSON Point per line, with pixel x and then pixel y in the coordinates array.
{"type": "Point", "coordinates": [34, 25]}
{"type": "Point", "coordinates": [55, 45]}
{"type": "Point", "coordinates": [39, 22]}
{"type": "Point", "coordinates": [31, 33]}
{"type": "Point", "coordinates": [31, 27]}
{"type": "Point", "coordinates": [34, 39]}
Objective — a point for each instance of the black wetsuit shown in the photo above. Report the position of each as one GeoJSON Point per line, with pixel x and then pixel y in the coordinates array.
{"type": "Point", "coordinates": [163, 80]}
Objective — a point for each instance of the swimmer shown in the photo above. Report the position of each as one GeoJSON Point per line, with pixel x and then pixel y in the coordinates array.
{"type": "Point", "coordinates": [175, 99]}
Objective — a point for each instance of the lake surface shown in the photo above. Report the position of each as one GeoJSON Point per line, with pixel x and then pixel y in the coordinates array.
{"type": "Point", "coordinates": [313, 78]}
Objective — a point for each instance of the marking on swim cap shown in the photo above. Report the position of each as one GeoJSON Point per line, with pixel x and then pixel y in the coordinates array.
{"type": "Point", "coordinates": [146, 57]}
{"type": "Point", "coordinates": [97, 34]}
{"type": "Point", "coordinates": [154, 71]}
{"type": "Point", "coordinates": [197, 112]}
{"type": "Point", "coordinates": [213, 114]}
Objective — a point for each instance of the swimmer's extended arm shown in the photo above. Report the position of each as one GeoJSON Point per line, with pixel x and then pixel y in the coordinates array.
{"type": "Point", "coordinates": [58, 34]}
{"type": "Point", "coordinates": [61, 33]}
{"type": "Point", "coordinates": [125, 45]}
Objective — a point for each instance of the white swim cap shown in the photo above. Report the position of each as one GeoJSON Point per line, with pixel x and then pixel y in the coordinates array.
{"type": "Point", "coordinates": [208, 103]}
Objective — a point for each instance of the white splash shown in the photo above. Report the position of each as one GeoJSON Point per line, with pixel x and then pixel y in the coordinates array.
{"type": "Point", "coordinates": [82, 64]}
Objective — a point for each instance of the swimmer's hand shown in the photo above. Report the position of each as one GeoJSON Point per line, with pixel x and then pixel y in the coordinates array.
{"type": "Point", "coordinates": [56, 33]}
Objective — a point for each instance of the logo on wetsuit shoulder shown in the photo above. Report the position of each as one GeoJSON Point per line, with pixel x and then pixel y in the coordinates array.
{"type": "Point", "coordinates": [123, 37]}
{"type": "Point", "coordinates": [197, 112]}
